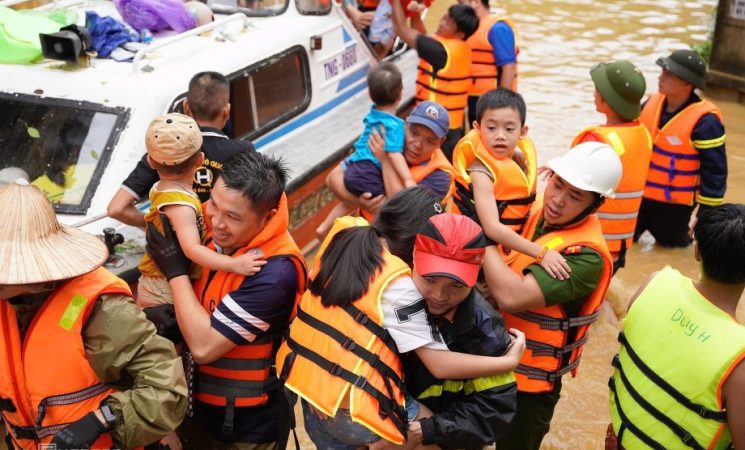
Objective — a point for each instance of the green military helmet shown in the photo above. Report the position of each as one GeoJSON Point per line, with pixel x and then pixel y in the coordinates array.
{"type": "Point", "coordinates": [685, 64]}
{"type": "Point", "coordinates": [622, 86]}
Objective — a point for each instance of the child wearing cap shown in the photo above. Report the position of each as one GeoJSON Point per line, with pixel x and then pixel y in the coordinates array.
{"type": "Point", "coordinates": [619, 87]}
{"type": "Point", "coordinates": [173, 142]}
{"type": "Point", "coordinates": [362, 170]}
{"type": "Point", "coordinates": [495, 176]}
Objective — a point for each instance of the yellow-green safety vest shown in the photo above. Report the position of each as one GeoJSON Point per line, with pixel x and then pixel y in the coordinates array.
{"type": "Point", "coordinates": [677, 350]}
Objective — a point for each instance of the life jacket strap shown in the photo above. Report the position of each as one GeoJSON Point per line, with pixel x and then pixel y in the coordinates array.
{"type": "Point", "coordinates": [388, 407]}
{"type": "Point", "coordinates": [535, 373]}
{"type": "Point", "coordinates": [679, 431]}
{"type": "Point", "coordinates": [543, 349]}
{"type": "Point", "coordinates": [626, 424]}
{"type": "Point", "coordinates": [228, 387]}
{"type": "Point", "coordinates": [552, 323]}
{"type": "Point", "coordinates": [704, 412]}
{"type": "Point", "coordinates": [363, 319]}
{"type": "Point", "coordinates": [439, 91]}
{"type": "Point", "coordinates": [350, 345]}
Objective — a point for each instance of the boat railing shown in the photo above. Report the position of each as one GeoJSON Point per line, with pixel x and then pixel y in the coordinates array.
{"type": "Point", "coordinates": [180, 37]}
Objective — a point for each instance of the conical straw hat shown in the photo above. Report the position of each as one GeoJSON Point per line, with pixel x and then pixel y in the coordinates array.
{"type": "Point", "coordinates": [34, 247]}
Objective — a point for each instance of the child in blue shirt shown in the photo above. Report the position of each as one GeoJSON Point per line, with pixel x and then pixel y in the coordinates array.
{"type": "Point", "coordinates": [362, 170]}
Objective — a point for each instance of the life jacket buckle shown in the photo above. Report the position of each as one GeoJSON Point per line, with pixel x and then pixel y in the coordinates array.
{"type": "Point", "coordinates": [564, 325]}
{"type": "Point", "coordinates": [349, 344]}
{"type": "Point", "coordinates": [361, 318]}
{"type": "Point", "coordinates": [336, 369]}
{"type": "Point", "coordinates": [360, 382]}
{"type": "Point", "coordinates": [687, 439]}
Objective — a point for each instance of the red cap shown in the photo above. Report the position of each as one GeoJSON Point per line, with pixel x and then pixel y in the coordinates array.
{"type": "Point", "coordinates": [450, 245]}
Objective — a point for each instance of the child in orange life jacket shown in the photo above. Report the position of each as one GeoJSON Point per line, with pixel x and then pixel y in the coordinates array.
{"type": "Point", "coordinates": [362, 170]}
{"type": "Point", "coordinates": [496, 182]}
{"type": "Point", "coordinates": [173, 142]}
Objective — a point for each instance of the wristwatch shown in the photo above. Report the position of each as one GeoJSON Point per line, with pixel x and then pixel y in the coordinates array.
{"type": "Point", "coordinates": [109, 417]}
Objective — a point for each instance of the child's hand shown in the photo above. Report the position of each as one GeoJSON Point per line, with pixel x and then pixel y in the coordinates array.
{"type": "Point", "coordinates": [517, 346]}
{"type": "Point", "coordinates": [249, 263]}
{"type": "Point", "coordinates": [544, 173]}
{"type": "Point", "coordinates": [415, 7]}
{"type": "Point", "coordinates": [555, 265]}
{"type": "Point", "coordinates": [376, 142]}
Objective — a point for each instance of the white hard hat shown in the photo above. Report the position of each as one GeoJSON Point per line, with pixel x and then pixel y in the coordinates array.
{"type": "Point", "coordinates": [590, 166]}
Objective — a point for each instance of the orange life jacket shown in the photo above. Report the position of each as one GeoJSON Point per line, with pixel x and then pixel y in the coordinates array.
{"type": "Point", "coordinates": [484, 70]}
{"type": "Point", "coordinates": [332, 351]}
{"type": "Point", "coordinates": [46, 381]}
{"type": "Point", "coordinates": [632, 143]}
{"type": "Point", "coordinates": [438, 161]}
{"type": "Point", "coordinates": [514, 190]}
{"type": "Point", "coordinates": [450, 85]}
{"type": "Point", "coordinates": [243, 377]}
{"type": "Point", "coordinates": [547, 330]}
{"type": "Point", "coordinates": [674, 168]}
{"type": "Point", "coordinates": [368, 5]}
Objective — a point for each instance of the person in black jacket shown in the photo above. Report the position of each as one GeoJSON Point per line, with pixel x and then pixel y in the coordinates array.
{"type": "Point", "coordinates": [208, 103]}
{"type": "Point", "coordinates": [466, 413]}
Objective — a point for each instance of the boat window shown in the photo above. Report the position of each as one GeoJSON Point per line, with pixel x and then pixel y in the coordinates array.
{"type": "Point", "coordinates": [313, 7]}
{"type": "Point", "coordinates": [61, 146]}
{"type": "Point", "coordinates": [254, 8]}
{"type": "Point", "coordinates": [268, 93]}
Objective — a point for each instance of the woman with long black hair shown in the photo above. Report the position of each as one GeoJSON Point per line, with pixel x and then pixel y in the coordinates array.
{"type": "Point", "coordinates": [361, 310]}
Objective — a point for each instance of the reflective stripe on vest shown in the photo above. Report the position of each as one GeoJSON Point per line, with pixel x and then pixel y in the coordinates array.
{"type": "Point", "coordinates": [674, 167]}
{"type": "Point", "coordinates": [243, 376]}
{"type": "Point", "coordinates": [468, 386]}
{"type": "Point", "coordinates": [345, 350]}
{"type": "Point", "coordinates": [550, 352]}
{"type": "Point", "coordinates": [450, 85]}
{"type": "Point", "coordinates": [43, 401]}
{"type": "Point", "coordinates": [632, 143]}
{"type": "Point", "coordinates": [677, 350]}
{"type": "Point", "coordinates": [484, 70]}
{"type": "Point", "coordinates": [514, 189]}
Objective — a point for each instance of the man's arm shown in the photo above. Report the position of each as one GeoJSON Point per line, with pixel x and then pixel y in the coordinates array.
{"type": "Point", "coordinates": [205, 343]}
{"type": "Point", "coordinates": [134, 188]}
{"type": "Point", "coordinates": [121, 343]}
{"type": "Point", "coordinates": [708, 138]}
{"type": "Point", "coordinates": [122, 208]}
{"type": "Point", "coordinates": [733, 393]}
{"type": "Point", "coordinates": [502, 39]}
{"type": "Point", "coordinates": [511, 292]}
{"type": "Point", "coordinates": [391, 180]}
{"type": "Point", "coordinates": [405, 32]}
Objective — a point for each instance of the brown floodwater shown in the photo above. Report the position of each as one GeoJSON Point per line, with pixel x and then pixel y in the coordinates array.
{"type": "Point", "coordinates": [559, 42]}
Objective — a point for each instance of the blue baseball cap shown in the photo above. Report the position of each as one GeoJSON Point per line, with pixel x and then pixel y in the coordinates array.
{"type": "Point", "coordinates": [433, 116]}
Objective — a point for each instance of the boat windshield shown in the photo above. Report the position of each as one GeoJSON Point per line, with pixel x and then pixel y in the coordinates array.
{"type": "Point", "coordinates": [60, 146]}
{"type": "Point", "coordinates": [257, 8]}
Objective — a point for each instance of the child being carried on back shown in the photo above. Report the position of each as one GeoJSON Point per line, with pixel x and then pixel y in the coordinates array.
{"type": "Point", "coordinates": [173, 144]}
{"type": "Point", "coordinates": [362, 170]}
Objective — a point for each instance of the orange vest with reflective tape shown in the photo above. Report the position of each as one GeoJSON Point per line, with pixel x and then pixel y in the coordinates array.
{"type": "Point", "coordinates": [551, 352]}
{"type": "Point", "coordinates": [438, 161]}
{"type": "Point", "coordinates": [243, 376]}
{"type": "Point", "coordinates": [514, 189]}
{"type": "Point", "coordinates": [450, 85]}
{"type": "Point", "coordinates": [324, 367]}
{"type": "Point", "coordinates": [674, 168]}
{"type": "Point", "coordinates": [632, 143]}
{"type": "Point", "coordinates": [484, 70]}
{"type": "Point", "coordinates": [47, 376]}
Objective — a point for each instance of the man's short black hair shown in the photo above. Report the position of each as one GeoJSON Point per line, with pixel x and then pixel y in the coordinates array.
{"type": "Point", "coordinates": [208, 94]}
{"type": "Point", "coordinates": [465, 19]}
{"type": "Point", "coordinates": [501, 98]}
{"type": "Point", "coordinates": [485, 3]}
{"type": "Point", "coordinates": [720, 234]}
{"type": "Point", "coordinates": [259, 178]}
{"type": "Point", "coordinates": [385, 84]}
